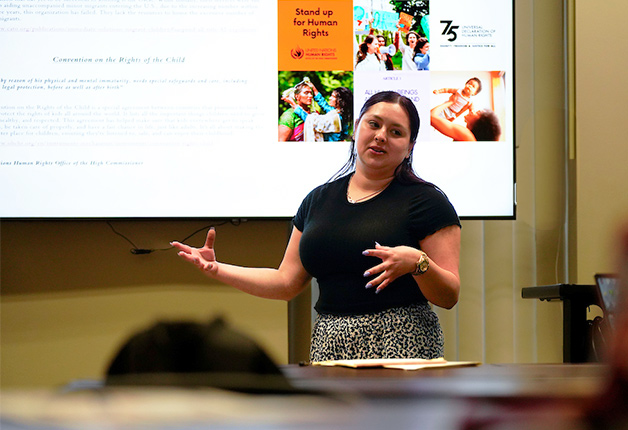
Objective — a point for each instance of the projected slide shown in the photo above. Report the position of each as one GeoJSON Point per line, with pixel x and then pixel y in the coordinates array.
{"type": "Point", "coordinates": [194, 109]}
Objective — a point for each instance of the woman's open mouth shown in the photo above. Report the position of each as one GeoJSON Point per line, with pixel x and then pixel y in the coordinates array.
{"type": "Point", "coordinates": [377, 150]}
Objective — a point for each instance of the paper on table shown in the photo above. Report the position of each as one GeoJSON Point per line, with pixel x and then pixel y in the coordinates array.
{"type": "Point", "coordinates": [393, 363]}
{"type": "Point", "coordinates": [419, 366]}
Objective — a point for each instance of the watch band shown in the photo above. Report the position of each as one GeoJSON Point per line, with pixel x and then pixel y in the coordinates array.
{"type": "Point", "coordinates": [422, 264]}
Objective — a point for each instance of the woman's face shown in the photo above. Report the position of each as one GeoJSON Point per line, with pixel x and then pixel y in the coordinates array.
{"type": "Point", "coordinates": [333, 99]}
{"type": "Point", "coordinates": [412, 40]}
{"type": "Point", "coordinates": [304, 97]}
{"type": "Point", "coordinates": [373, 46]}
{"type": "Point", "coordinates": [383, 138]}
{"type": "Point", "coordinates": [425, 48]}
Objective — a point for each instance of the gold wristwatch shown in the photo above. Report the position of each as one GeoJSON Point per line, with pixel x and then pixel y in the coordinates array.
{"type": "Point", "coordinates": [422, 264]}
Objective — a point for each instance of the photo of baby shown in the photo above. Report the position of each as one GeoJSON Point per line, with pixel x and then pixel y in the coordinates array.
{"type": "Point", "coordinates": [461, 98]}
{"type": "Point", "coordinates": [472, 112]}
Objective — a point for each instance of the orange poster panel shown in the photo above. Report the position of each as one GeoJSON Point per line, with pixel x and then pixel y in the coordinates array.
{"type": "Point", "coordinates": [405, 22]}
{"type": "Point", "coordinates": [315, 35]}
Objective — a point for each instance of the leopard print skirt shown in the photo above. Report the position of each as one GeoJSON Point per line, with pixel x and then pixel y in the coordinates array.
{"type": "Point", "coordinates": [405, 332]}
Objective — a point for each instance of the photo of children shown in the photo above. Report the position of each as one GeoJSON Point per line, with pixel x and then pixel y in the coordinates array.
{"type": "Point", "coordinates": [391, 35]}
{"type": "Point", "coordinates": [315, 106]}
{"type": "Point", "coordinates": [474, 111]}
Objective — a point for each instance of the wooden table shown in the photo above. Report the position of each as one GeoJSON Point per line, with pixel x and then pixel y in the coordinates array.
{"type": "Point", "coordinates": [329, 398]}
{"type": "Point", "coordinates": [572, 381]}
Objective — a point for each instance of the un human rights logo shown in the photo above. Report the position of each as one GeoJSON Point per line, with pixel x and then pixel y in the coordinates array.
{"type": "Point", "coordinates": [297, 53]}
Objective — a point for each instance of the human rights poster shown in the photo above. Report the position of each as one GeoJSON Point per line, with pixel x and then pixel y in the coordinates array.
{"type": "Point", "coordinates": [452, 58]}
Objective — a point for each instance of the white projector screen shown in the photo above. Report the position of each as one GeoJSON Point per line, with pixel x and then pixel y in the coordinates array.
{"type": "Point", "coordinates": [170, 108]}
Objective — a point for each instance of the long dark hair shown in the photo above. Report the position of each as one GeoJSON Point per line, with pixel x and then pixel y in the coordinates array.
{"type": "Point", "coordinates": [344, 103]}
{"type": "Point", "coordinates": [408, 36]}
{"type": "Point", "coordinates": [404, 172]}
{"type": "Point", "coordinates": [363, 49]}
{"type": "Point", "coordinates": [420, 43]}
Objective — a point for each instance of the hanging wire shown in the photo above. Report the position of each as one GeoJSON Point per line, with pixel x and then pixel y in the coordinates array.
{"type": "Point", "coordinates": [121, 235]}
{"type": "Point", "coordinates": [138, 251]}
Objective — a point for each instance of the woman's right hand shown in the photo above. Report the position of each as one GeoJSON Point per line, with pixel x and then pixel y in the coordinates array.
{"type": "Point", "coordinates": [204, 258]}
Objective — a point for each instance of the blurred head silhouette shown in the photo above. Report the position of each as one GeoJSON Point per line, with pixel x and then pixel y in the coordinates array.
{"type": "Point", "coordinates": [213, 352]}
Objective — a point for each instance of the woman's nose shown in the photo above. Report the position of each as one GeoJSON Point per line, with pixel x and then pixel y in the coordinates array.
{"type": "Point", "coordinates": [380, 136]}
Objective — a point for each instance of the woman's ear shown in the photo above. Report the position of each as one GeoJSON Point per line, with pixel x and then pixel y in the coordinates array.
{"type": "Point", "coordinates": [410, 148]}
{"type": "Point", "coordinates": [355, 130]}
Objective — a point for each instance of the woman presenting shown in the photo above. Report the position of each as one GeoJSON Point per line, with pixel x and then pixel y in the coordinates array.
{"type": "Point", "coordinates": [378, 269]}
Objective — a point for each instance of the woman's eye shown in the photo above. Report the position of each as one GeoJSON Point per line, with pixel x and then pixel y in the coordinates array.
{"type": "Point", "coordinates": [373, 124]}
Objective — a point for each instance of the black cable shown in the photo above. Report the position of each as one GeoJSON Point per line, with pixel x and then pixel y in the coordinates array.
{"type": "Point", "coordinates": [121, 235]}
{"type": "Point", "coordinates": [233, 222]}
{"type": "Point", "coordinates": [140, 251]}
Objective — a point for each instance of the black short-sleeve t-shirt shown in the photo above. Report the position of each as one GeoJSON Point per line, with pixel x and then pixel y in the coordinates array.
{"type": "Point", "coordinates": [336, 232]}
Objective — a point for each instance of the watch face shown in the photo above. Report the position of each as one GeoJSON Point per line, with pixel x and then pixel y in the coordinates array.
{"type": "Point", "coordinates": [423, 266]}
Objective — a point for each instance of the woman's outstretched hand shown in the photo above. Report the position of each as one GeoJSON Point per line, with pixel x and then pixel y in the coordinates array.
{"type": "Point", "coordinates": [204, 258]}
{"type": "Point", "coordinates": [396, 261]}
